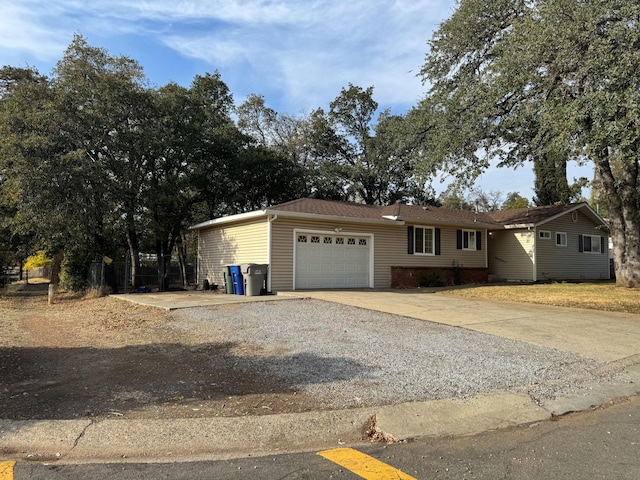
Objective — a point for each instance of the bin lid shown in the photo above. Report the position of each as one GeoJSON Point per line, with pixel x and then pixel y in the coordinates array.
{"type": "Point", "coordinates": [254, 268]}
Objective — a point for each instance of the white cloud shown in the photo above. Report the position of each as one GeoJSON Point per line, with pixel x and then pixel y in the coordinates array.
{"type": "Point", "coordinates": [23, 30]}
{"type": "Point", "coordinates": [306, 51]}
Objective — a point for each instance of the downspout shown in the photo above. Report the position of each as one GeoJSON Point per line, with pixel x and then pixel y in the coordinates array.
{"type": "Point", "coordinates": [198, 261]}
{"type": "Point", "coordinates": [486, 250]}
{"type": "Point", "coordinates": [269, 247]}
{"type": "Point", "coordinates": [535, 255]}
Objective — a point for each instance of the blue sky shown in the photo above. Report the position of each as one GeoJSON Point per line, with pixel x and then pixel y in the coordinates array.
{"type": "Point", "coordinates": [298, 54]}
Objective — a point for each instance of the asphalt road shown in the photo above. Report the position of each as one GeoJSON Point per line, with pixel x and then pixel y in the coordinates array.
{"type": "Point", "coordinates": [604, 443]}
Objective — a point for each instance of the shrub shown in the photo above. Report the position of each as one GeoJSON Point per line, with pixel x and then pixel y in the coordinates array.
{"type": "Point", "coordinates": [433, 278]}
{"type": "Point", "coordinates": [73, 272]}
{"type": "Point", "coordinates": [39, 260]}
{"type": "Point", "coordinates": [457, 272]}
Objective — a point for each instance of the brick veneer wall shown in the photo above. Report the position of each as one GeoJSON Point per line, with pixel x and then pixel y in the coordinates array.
{"type": "Point", "coordinates": [409, 277]}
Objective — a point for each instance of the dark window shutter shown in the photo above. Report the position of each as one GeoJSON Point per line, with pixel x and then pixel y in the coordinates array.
{"type": "Point", "coordinates": [437, 241]}
{"type": "Point", "coordinates": [410, 240]}
{"type": "Point", "coordinates": [478, 240]}
{"type": "Point", "coordinates": [602, 250]}
{"type": "Point", "coordinates": [580, 243]}
{"type": "Point", "coordinates": [459, 239]}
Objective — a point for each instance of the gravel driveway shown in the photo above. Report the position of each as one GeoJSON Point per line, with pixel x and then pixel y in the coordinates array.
{"type": "Point", "coordinates": [346, 356]}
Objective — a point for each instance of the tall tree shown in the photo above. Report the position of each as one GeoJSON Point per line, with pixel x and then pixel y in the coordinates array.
{"type": "Point", "coordinates": [515, 201]}
{"type": "Point", "coordinates": [24, 140]}
{"type": "Point", "coordinates": [102, 107]}
{"type": "Point", "coordinates": [514, 79]}
{"type": "Point", "coordinates": [355, 158]}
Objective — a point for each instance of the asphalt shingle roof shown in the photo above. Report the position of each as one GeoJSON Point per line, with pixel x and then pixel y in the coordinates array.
{"type": "Point", "coordinates": [398, 211]}
{"type": "Point", "coordinates": [529, 215]}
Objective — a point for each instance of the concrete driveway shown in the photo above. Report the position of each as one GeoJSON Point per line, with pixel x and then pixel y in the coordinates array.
{"type": "Point", "coordinates": [605, 336]}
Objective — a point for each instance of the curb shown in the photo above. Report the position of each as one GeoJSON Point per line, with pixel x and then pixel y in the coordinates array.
{"type": "Point", "coordinates": [118, 439]}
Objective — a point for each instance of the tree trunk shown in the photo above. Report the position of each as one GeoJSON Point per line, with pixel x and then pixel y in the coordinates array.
{"type": "Point", "coordinates": [622, 199]}
{"type": "Point", "coordinates": [182, 258]}
{"type": "Point", "coordinates": [134, 255]}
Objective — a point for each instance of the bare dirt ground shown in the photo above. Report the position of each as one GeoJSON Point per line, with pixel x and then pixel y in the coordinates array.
{"type": "Point", "coordinates": [101, 357]}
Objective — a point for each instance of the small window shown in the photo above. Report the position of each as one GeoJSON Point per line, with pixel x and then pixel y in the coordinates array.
{"type": "Point", "coordinates": [561, 239]}
{"type": "Point", "coordinates": [591, 243]}
{"type": "Point", "coordinates": [545, 234]}
{"type": "Point", "coordinates": [351, 241]}
{"type": "Point", "coordinates": [315, 239]}
{"type": "Point", "coordinates": [423, 241]}
{"type": "Point", "coordinates": [468, 239]}
{"type": "Point", "coordinates": [302, 239]}
{"type": "Point", "coordinates": [328, 240]}
{"type": "Point", "coordinates": [362, 241]}
{"type": "Point", "coordinates": [339, 241]}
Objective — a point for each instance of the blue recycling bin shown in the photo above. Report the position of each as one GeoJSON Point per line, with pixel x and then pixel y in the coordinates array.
{"type": "Point", "coordinates": [236, 278]}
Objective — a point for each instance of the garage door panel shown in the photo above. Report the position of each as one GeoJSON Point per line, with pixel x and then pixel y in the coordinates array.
{"type": "Point", "coordinates": [332, 261]}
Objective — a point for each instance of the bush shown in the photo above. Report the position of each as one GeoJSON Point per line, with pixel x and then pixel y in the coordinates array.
{"type": "Point", "coordinates": [73, 272]}
{"type": "Point", "coordinates": [457, 272]}
{"type": "Point", "coordinates": [39, 260]}
{"type": "Point", "coordinates": [433, 278]}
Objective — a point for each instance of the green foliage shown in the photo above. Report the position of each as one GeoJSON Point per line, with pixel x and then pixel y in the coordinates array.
{"type": "Point", "coordinates": [550, 80]}
{"type": "Point", "coordinates": [457, 272]}
{"type": "Point", "coordinates": [343, 153]}
{"type": "Point", "coordinates": [514, 201]}
{"type": "Point", "coordinates": [433, 278]}
{"type": "Point", "coordinates": [73, 271]}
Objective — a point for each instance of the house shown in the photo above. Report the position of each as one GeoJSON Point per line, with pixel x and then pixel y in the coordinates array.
{"type": "Point", "coordinates": [555, 242]}
{"type": "Point", "coordinates": [311, 243]}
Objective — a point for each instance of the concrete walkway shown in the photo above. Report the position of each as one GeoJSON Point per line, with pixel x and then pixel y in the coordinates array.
{"type": "Point", "coordinates": [608, 337]}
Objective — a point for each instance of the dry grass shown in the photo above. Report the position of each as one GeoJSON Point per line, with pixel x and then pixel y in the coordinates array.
{"type": "Point", "coordinates": [597, 295]}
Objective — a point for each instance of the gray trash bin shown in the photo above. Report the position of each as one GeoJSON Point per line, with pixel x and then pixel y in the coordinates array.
{"type": "Point", "coordinates": [255, 278]}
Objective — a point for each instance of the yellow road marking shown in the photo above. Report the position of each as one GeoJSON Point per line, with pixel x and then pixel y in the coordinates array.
{"type": "Point", "coordinates": [6, 470]}
{"type": "Point", "coordinates": [363, 465]}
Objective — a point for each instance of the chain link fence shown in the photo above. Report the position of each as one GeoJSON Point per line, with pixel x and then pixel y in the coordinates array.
{"type": "Point", "coordinates": [116, 276]}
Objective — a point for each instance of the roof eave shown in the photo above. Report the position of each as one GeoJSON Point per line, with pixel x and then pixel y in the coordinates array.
{"type": "Point", "coordinates": [336, 218]}
{"type": "Point", "coordinates": [595, 215]}
{"type": "Point", "coordinates": [303, 215]}
{"type": "Point", "coordinates": [230, 219]}
{"type": "Point", "coordinates": [444, 223]}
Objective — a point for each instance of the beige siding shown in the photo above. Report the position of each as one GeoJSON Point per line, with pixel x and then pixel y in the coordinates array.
{"type": "Point", "coordinates": [511, 254]}
{"type": "Point", "coordinates": [389, 244]}
{"type": "Point", "coordinates": [231, 245]}
{"type": "Point", "coordinates": [568, 263]}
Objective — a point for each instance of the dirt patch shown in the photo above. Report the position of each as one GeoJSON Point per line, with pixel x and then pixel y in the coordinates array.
{"type": "Point", "coordinates": [105, 357]}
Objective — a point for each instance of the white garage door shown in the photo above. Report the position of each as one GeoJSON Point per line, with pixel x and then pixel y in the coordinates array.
{"type": "Point", "coordinates": [332, 261]}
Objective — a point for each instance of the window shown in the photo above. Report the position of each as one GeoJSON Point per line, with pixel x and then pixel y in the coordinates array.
{"type": "Point", "coordinates": [339, 241]}
{"type": "Point", "coordinates": [468, 240]}
{"type": "Point", "coordinates": [561, 239]}
{"type": "Point", "coordinates": [423, 237]}
{"type": "Point", "coordinates": [545, 234]}
{"type": "Point", "coordinates": [315, 239]}
{"type": "Point", "coordinates": [328, 239]}
{"type": "Point", "coordinates": [423, 240]}
{"type": "Point", "coordinates": [302, 239]}
{"type": "Point", "coordinates": [591, 243]}
{"type": "Point", "coordinates": [362, 241]}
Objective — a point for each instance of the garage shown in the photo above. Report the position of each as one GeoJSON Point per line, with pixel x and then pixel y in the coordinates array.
{"type": "Point", "coordinates": [332, 260]}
